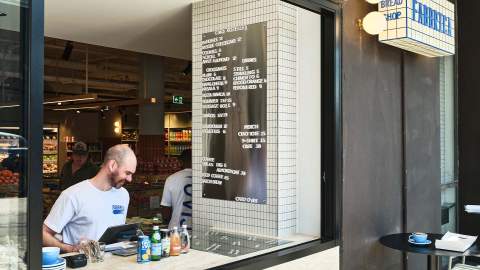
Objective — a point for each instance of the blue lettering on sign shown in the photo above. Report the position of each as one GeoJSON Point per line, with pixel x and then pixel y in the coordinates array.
{"type": "Point", "coordinates": [431, 18]}
{"type": "Point", "coordinates": [390, 3]}
{"type": "Point", "coordinates": [118, 209]}
{"type": "Point", "coordinates": [393, 15]}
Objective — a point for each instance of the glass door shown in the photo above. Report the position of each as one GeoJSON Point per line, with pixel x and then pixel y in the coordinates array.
{"type": "Point", "coordinates": [20, 149]}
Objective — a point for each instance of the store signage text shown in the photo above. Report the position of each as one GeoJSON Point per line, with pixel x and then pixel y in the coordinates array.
{"type": "Point", "coordinates": [431, 18]}
{"type": "Point", "coordinates": [425, 27]}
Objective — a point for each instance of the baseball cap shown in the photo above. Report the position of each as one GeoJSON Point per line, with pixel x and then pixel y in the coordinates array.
{"type": "Point", "coordinates": [80, 148]}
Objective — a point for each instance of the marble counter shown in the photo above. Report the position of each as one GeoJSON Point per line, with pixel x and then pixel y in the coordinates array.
{"type": "Point", "coordinates": [193, 260]}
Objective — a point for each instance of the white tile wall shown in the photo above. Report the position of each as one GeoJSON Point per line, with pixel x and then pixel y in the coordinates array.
{"type": "Point", "coordinates": [278, 216]}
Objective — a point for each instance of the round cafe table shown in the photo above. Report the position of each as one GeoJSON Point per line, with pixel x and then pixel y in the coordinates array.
{"type": "Point", "coordinates": [399, 241]}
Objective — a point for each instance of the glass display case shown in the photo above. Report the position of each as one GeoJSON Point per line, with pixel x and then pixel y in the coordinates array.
{"type": "Point", "coordinates": [21, 96]}
{"type": "Point", "coordinates": [13, 213]}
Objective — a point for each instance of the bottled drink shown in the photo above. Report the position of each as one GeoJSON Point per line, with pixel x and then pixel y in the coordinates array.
{"type": "Point", "coordinates": [175, 245]}
{"type": "Point", "coordinates": [156, 245]}
{"type": "Point", "coordinates": [165, 242]}
{"type": "Point", "coordinates": [185, 239]}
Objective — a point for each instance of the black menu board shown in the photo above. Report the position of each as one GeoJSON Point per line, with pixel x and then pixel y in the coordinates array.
{"type": "Point", "coordinates": [234, 104]}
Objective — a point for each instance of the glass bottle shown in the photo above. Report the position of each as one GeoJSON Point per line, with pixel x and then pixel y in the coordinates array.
{"type": "Point", "coordinates": [185, 239]}
{"type": "Point", "coordinates": [165, 243]}
{"type": "Point", "coordinates": [156, 245]}
{"type": "Point", "coordinates": [175, 245]}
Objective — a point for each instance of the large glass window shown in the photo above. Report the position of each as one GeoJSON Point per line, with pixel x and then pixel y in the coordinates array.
{"type": "Point", "coordinates": [447, 144]}
{"type": "Point", "coordinates": [13, 146]}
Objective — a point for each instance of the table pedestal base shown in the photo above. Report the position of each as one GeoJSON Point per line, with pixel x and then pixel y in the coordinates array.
{"type": "Point", "coordinates": [433, 262]}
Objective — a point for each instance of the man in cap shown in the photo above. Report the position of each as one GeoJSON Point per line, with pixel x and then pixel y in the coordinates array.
{"type": "Point", "coordinates": [85, 210]}
{"type": "Point", "coordinates": [78, 168]}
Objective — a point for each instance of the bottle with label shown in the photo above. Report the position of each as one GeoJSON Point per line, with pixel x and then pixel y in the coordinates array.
{"type": "Point", "coordinates": [175, 245]}
{"type": "Point", "coordinates": [156, 245]}
{"type": "Point", "coordinates": [143, 249]}
{"type": "Point", "coordinates": [185, 239]}
{"type": "Point", "coordinates": [165, 242]}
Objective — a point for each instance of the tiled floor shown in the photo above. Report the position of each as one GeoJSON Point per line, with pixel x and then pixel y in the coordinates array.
{"type": "Point", "coordinates": [326, 260]}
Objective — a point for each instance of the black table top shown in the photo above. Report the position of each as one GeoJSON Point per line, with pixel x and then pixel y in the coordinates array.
{"type": "Point", "coordinates": [399, 241]}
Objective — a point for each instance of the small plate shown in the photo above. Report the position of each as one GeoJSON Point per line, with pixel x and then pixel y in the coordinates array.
{"type": "Point", "coordinates": [59, 262]}
{"type": "Point", "coordinates": [411, 241]}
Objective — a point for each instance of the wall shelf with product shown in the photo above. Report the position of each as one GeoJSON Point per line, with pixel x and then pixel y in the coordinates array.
{"type": "Point", "coordinates": [178, 132]}
{"type": "Point", "coordinates": [95, 150]}
{"type": "Point", "coordinates": [50, 151]}
{"type": "Point", "coordinates": [130, 137]}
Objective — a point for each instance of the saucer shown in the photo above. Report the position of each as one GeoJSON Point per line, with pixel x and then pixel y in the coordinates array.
{"type": "Point", "coordinates": [427, 242]}
{"type": "Point", "coordinates": [58, 263]}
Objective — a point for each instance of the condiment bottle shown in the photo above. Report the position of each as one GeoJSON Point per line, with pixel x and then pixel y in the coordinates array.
{"type": "Point", "coordinates": [175, 244]}
{"type": "Point", "coordinates": [185, 239]}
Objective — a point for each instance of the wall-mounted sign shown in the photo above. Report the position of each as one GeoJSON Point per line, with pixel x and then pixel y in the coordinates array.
{"type": "Point", "coordinates": [234, 105]}
{"type": "Point", "coordinates": [425, 27]}
{"type": "Point", "coordinates": [177, 100]}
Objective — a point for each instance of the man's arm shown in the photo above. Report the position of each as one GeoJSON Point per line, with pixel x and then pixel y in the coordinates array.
{"type": "Point", "coordinates": [166, 213]}
{"type": "Point", "coordinates": [49, 240]}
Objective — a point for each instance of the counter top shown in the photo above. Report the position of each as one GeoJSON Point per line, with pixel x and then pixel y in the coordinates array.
{"type": "Point", "coordinates": [193, 260]}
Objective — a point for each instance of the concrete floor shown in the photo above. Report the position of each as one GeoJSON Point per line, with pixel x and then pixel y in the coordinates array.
{"type": "Point", "coordinates": [326, 260]}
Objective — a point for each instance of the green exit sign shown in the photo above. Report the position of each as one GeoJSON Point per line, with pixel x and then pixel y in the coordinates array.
{"type": "Point", "coordinates": [177, 100]}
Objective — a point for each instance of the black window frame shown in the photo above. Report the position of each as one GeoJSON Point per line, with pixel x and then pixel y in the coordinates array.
{"type": "Point", "coordinates": [331, 145]}
{"type": "Point", "coordinates": [33, 63]}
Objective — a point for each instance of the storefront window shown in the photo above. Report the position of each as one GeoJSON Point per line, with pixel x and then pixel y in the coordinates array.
{"type": "Point", "coordinates": [447, 144]}
{"type": "Point", "coordinates": [13, 146]}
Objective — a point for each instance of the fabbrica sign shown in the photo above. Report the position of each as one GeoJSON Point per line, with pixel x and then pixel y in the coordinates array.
{"type": "Point", "coordinates": [425, 27]}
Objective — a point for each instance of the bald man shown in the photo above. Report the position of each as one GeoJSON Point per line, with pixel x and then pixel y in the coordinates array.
{"type": "Point", "coordinates": [85, 210]}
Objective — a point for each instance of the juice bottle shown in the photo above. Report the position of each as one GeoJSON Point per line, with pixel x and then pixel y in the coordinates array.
{"type": "Point", "coordinates": [175, 245]}
{"type": "Point", "coordinates": [185, 239]}
{"type": "Point", "coordinates": [165, 243]}
{"type": "Point", "coordinates": [156, 245]}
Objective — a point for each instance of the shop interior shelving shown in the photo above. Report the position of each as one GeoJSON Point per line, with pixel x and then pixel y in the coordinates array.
{"type": "Point", "coordinates": [178, 132]}
{"type": "Point", "coordinates": [50, 151]}
{"type": "Point", "coordinates": [130, 137]}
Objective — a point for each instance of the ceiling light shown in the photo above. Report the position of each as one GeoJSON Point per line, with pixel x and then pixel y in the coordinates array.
{"type": "Point", "coordinates": [374, 23]}
{"type": "Point", "coordinates": [72, 98]}
{"type": "Point", "coordinates": [9, 106]}
{"type": "Point", "coordinates": [76, 108]}
{"type": "Point", "coordinates": [78, 111]}
{"type": "Point", "coordinates": [59, 103]}
{"type": "Point", "coordinates": [373, 1]}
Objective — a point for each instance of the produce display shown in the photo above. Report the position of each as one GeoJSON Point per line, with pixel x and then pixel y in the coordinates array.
{"type": "Point", "coordinates": [8, 177]}
{"type": "Point", "coordinates": [50, 168]}
{"type": "Point", "coordinates": [130, 135]}
{"type": "Point", "coordinates": [50, 154]}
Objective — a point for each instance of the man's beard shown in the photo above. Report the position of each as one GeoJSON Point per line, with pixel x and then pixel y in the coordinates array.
{"type": "Point", "coordinates": [116, 181]}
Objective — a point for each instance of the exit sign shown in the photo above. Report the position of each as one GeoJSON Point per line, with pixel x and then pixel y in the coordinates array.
{"type": "Point", "coordinates": [177, 100]}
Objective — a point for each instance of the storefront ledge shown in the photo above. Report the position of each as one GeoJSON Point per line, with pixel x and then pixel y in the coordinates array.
{"type": "Point", "coordinates": [280, 256]}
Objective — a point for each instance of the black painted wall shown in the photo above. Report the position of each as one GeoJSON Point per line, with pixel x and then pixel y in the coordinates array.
{"type": "Point", "coordinates": [468, 113]}
{"type": "Point", "coordinates": [391, 169]}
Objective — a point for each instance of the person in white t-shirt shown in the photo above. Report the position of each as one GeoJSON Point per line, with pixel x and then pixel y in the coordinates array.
{"type": "Point", "coordinates": [176, 205]}
{"type": "Point", "coordinates": [85, 210]}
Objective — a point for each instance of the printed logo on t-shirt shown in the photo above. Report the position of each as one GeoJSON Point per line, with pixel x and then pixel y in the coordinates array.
{"type": "Point", "coordinates": [118, 209]}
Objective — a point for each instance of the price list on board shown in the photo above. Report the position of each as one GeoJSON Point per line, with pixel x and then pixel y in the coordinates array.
{"type": "Point", "coordinates": [234, 113]}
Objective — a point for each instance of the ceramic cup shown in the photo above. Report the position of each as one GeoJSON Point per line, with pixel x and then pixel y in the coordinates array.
{"type": "Point", "coordinates": [50, 255]}
{"type": "Point", "coordinates": [419, 237]}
